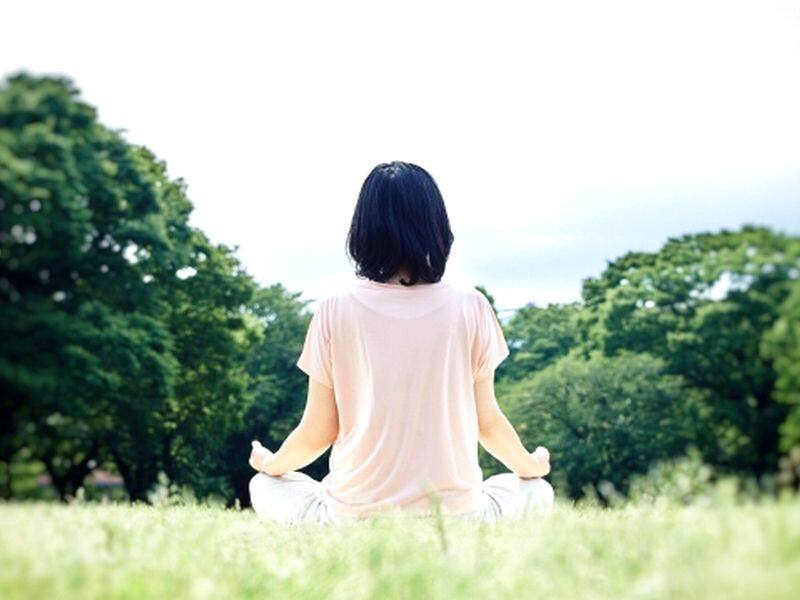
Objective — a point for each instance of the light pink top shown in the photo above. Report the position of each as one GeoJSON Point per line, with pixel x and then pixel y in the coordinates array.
{"type": "Point", "coordinates": [402, 363]}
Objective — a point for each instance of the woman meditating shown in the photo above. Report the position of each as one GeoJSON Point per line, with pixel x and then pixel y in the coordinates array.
{"type": "Point", "coordinates": [401, 381]}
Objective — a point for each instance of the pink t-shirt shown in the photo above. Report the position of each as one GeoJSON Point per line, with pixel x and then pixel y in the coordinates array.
{"type": "Point", "coordinates": [402, 363]}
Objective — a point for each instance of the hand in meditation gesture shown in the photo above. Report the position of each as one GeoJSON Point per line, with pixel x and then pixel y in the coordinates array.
{"type": "Point", "coordinates": [259, 456]}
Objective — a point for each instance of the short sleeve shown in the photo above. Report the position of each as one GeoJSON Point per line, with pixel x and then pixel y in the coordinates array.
{"type": "Point", "coordinates": [490, 343]}
{"type": "Point", "coordinates": [315, 358]}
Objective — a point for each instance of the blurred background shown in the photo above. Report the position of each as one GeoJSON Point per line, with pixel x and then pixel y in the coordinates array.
{"type": "Point", "coordinates": [177, 181]}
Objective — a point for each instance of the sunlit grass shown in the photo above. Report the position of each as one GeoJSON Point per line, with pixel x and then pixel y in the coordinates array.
{"type": "Point", "coordinates": [118, 551]}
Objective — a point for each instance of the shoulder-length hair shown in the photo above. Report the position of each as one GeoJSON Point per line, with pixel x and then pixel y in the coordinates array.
{"type": "Point", "coordinates": [400, 221]}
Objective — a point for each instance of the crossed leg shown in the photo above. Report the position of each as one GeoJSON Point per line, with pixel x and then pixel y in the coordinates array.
{"type": "Point", "coordinates": [286, 498]}
{"type": "Point", "coordinates": [295, 496]}
{"type": "Point", "coordinates": [514, 496]}
{"type": "Point", "coordinates": [535, 495]}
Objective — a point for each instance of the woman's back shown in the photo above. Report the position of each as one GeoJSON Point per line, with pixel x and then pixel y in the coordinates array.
{"type": "Point", "coordinates": [402, 361]}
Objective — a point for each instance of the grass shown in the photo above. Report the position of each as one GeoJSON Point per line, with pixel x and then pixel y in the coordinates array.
{"type": "Point", "coordinates": [119, 551]}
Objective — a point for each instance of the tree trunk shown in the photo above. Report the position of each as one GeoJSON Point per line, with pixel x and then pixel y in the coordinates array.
{"type": "Point", "coordinates": [137, 480]}
{"type": "Point", "coordinates": [769, 416]}
{"type": "Point", "coordinates": [68, 482]}
{"type": "Point", "coordinates": [6, 488]}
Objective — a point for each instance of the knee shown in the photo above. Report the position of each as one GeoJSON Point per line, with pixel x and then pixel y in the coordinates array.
{"type": "Point", "coordinates": [257, 487]}
{"type": "Point", "coordinates": [539, 491]}
{"type": "Point", "coordinates": [505, 480]}
{"type": "Point", "coordinates": [256, 481]}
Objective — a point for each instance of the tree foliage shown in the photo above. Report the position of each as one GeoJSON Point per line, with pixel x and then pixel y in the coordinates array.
{"type": "Point", "coordinates": [108, 353]}
{"type": "Point", "coordinates": [82, 338]}
{"type": "Point", "coordinates": [782, 345]}
{"type": "Point", "coordinates": [537, 337]}
{"type": "Point", "coordinates": [703, 303]}
{"type": "Point", "coordinates": [605, 418]}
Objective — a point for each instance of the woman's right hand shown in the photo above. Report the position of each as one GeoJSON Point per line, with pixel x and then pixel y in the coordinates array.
{"type": "Point", "coordinates": [541, 457]}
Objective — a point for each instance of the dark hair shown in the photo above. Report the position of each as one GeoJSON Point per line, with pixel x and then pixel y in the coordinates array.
{"type": "Point", "coordinates": [400, 221]}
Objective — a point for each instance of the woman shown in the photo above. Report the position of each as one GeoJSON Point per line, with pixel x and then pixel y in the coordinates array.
{"type": "Point", "coordinates": [401, 381]}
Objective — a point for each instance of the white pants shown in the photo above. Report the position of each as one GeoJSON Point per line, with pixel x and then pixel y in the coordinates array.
{"type": "Point", "coordinates": [295, 496]}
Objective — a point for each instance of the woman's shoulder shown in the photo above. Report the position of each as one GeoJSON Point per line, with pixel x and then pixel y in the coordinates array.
{"type": "Point", "coordinates": [338, 295]}
{"type": "Point", "coordinates": [469, 293]}
{"type": "Point", "coordinates": [342, 295]}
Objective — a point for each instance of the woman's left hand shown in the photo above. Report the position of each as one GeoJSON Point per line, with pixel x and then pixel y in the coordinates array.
{"type": "Point", "coordinates": [259, 456]}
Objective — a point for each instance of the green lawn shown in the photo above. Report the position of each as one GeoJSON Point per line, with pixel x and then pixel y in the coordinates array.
{"type": "Point", "coordinates": [117, 551]}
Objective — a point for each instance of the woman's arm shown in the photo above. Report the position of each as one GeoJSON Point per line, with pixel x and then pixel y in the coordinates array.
{"type": "Point", "coordinates": [498, 436]}
{"type": "Point", "coordinates": [317, 430]}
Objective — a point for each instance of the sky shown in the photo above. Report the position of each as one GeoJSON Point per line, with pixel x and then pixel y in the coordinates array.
{"type": "Point", "coordinates": [561, 134]}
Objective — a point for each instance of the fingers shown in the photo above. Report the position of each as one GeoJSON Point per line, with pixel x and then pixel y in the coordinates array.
{"type": "Point", "coordinates": [258, 455]}
{"type": "Point", "coordinates": [254, 460]}
{"type": "Point", "coordinates": [542, 456]}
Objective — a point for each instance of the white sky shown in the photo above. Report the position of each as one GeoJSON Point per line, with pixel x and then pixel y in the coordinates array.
{"type": "Point", "coordinates": [561, 134]}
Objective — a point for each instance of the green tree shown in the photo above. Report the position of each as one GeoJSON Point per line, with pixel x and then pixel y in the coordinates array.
{"type": "Point", "coordinates": [703, 303]}
{"type": "Point", "coordinates": [124, 335]}
{"type": "Point", "coordinates": [81, 330]}
{"type": "Point", "coordinates": [603, 418]}
{"type": "Point", "coordinates": [537, 337]}
{"type": "Point", "coordinates": [209, 326]}
{"type": "Point", "coordinates": [782, 345]}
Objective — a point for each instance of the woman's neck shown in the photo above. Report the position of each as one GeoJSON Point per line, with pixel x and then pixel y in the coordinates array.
{"type": "Point", "coordinates": [401, 274]}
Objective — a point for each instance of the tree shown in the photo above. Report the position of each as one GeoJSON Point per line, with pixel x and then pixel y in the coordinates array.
{"type": "Point", "coordinates": [81, 333]}
{"type": "Point", "coordinates": [540, 336]}
{"type": "Point", "coordinates": [605, 418]}
{"type": "Point", "coordinates": [703, 303]}
{"type": "Point", "coordinates": [782, 345]}
{"type": "Point", "coordinates": [212, 337]}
